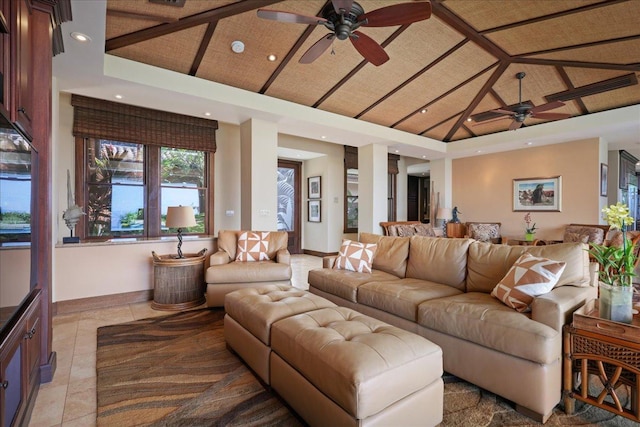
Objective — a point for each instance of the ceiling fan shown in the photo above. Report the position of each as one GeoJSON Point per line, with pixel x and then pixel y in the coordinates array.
{"type": "Point", "coordinates": [344, 17]}
{"type": "Point", "coordinates": [521, 111]}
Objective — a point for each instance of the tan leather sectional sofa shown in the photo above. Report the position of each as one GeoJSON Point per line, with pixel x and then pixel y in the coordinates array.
{"type": "Point", "coordinates": [440, 289]}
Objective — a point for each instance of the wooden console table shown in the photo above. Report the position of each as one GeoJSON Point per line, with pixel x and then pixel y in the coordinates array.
{"type": "Point", "coordinates": [598, 348]}
{"type": "Point", "coordinates": [178, 283]}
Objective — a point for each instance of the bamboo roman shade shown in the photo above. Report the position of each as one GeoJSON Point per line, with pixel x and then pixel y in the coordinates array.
{"type": "Point", "coordinates": [96, 118]}
{"type": "Point", "coordinates": [351, 160]}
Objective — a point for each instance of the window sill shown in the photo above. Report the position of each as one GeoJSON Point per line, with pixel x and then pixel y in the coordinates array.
{"type": "Point", "coordinates": [136, 241]}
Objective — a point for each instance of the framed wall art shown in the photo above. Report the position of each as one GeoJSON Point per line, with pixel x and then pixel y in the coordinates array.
{"type": "Point", "coordinates": [313, 187]}
{"type": "Point", "coordinates": [604, 179]}
{"type": "Point", "coordinates": [537, 194]}
{"type": "Point", "coordinates": [313, 211]}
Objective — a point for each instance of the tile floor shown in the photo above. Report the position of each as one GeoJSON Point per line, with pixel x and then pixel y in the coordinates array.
{"type": "Point", "coordinates": [70, 399]}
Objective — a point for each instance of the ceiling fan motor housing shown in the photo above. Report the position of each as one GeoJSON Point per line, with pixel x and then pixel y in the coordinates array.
{"type": "Point", "coordinates": [342, 24]}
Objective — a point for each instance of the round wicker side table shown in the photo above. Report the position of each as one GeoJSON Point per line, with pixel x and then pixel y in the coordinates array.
{"type": "Point", "coordinates": [178, 283]}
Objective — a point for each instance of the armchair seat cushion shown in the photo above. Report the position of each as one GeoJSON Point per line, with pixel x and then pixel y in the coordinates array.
{"type": "Point", "coordinates": [244, 272]}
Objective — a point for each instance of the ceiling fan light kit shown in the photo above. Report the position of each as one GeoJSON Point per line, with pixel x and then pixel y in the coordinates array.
{"type": "Point", "coordinates": [237, 46]}
{"type": "Point", "coordinates": [344, 17]}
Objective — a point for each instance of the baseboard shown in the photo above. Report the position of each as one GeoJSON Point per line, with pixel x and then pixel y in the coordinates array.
{"type": "Point", "coordinates": [47, 370]}
{"type": "Point", "coordinates": [316, 253]}
{"type": "Point", "coordinates": [94, 303]}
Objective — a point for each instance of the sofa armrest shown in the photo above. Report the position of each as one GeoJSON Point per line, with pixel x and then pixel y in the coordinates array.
{"type": "Point", "coordinates": [555, 309]}
{"type": "Point", "coordinates": [219, 258]}
{"type": "Point", "coordinates": [283, 257]}
{"type": "Point", "coordinates": [329, 261]}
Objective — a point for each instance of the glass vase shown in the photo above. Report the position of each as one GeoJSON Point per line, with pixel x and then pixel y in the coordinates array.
{"type": "Point", "coordinates": [616, 303]}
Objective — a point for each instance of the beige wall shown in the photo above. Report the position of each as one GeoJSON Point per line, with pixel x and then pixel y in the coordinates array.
{"type": "Point", "coordinates": [483, 186]}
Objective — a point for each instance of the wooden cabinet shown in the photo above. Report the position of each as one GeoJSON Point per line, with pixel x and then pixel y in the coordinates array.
{"type": "Point", "coordinates": [20, 365]}
{"type": "Point", "coordinates": [5, 56]}
{"type": "Point", "coordinates": [22, 105]}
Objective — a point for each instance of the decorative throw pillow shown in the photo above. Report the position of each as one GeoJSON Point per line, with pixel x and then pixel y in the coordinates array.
{"type": "Point", "coordinates": [529, 277]}
{"type": "Point", "coordinates": [253, 246]}
{"type": "Point", "coordinates": [355, 256]}
{"type": "Point", "coordinates": [424, 230]}
{"type": "Point", "coordinates": [577, 233]}
{"type": "Point", "coordinates": [404, 230]}
{"type": "Point", "coordinates": [484, 232]}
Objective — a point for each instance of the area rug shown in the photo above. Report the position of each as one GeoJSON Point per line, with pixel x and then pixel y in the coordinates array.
{"type": "Point", "coordinates": [176, 371]}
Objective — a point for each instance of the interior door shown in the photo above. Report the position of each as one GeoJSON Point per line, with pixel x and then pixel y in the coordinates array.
{"type": "Point", "coordinates": [289, 202]}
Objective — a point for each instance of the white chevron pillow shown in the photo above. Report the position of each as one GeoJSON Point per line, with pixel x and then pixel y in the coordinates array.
{"type": "Point", "coordinates": [253, 246]}
{"type": "Point", "coordinates": [355, 256]}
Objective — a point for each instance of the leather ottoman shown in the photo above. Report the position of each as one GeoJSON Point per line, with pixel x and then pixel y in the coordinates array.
{"type": "Point", "coordinates": [252, 311]}
{"type": "Point", "coordinates": [335, 366]}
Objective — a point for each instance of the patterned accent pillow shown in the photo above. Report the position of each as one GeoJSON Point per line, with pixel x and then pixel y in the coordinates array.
{"type": "Point", "coordinates": [484, 232]}
{"type": "Point", "coordinates": [570, 237]}
{"type": "Point", "coordinates": [404, 230]}
{"type": "Point", "coordinates": [576, 232]}
{"type": "Point", "coordinates": [253, 246]}
{"type": "Point", "coordinates": [529, 277]}
{"type": "Point", "coordinates": [424, 230]}
{"type": "Point", "coordinates": [355, 256]}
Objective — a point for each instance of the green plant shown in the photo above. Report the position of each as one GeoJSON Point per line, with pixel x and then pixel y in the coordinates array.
{"type": "Point", "coordinates": [529, 229]}
{"type": "Point", "coordinates": [616, 262]}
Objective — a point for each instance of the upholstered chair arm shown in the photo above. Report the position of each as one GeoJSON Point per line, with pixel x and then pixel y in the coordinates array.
{"type": "Point", "coordinates": [329, 261]}
{"type": "Point", "coordinates": [219, 258]}
{"type": "Point", "coordinates": [283, 257]}
{"type": "Point", "coordinates": [555, 309]}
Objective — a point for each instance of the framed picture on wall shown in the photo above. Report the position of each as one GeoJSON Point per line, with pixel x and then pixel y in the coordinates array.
{"type": "Point", "coordinates": [537, 194]}
{"type": "Point", "coordinates": [313, 211]}
{"type": "Point", "coordinates": [604, 179]}
{"type": "Point", "coordinates": [313, 187]}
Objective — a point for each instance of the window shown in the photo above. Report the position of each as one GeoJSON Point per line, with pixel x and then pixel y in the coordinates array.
{"type": "Point", "coordinates": [351, 201]}
{"type": "Point", "coordinates": [391, 197]}
{"type": "Point", "coordinates": [133, 163]}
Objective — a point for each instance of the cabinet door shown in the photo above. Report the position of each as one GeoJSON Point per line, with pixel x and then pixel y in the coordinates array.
{"type": "Point", "coordinates": [21, 59]}
{"type": "Point", "coordinates": [11, 385]}
{"type": "Point", "coordinates": [32, 341]}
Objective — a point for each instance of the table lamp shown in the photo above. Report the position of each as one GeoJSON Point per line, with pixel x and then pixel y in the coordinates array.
{"type": "Point", "coordinates": [180, 217]}
{"type": "Point", "coordinates": [444, 214]}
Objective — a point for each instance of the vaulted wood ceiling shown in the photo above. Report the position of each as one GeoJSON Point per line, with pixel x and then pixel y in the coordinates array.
{"type": "Point", "coordinates": [460, 62]}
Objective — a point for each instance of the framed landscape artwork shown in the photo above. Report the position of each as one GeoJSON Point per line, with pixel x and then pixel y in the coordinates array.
{"type": "Point", "coordinates": [537, 194]}
{"type": "Point", "coordinates": [313, 210]}
{"type": "Point", "coordinates": [314, 187]}
{"type": "Point", "coordinates": [604, 179]}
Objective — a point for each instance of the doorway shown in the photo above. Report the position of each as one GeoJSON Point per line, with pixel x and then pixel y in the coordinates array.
{"type": "Point", "coordinates": [289, 200]}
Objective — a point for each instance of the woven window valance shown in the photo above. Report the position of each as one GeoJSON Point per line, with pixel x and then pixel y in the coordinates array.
{"type": "Point", "coordinates": [351, 160]}
{"type": "Point", "coordinates": [96, 118]}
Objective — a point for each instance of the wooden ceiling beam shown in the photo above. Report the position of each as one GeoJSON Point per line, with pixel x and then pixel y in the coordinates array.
{"type": "Point", "coordinates": [594, 88]}
{"type": "Point", "coordinates": [551, 16]}
{"type": "Point", "coordinates": [359, 67]}
{"type": "Point", "coordinates": [497, 97]}
{"type": "Point", "coordinates": [451, 19]}
{"type": "Point", "coordinates": [502, 67]}
{"type": "Point", "coordinates": [186, 23]}
{"type": "Point", "coordinates": [412, 78]}
{"type": "Point", "coordinates": [567, 81]}
{"type": "Point", "coordinates": [580, 45]}
{"type": "Point", "coordinates": [576, 64]}
{"type": "Point", "coordinates": [202, 49]}
{"type": "Point", "coordinates": [440, 122]}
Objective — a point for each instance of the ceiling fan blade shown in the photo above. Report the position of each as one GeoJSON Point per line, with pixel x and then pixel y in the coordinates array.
{"type": "Point", "coordinates": [484, 122]}
{"type": "Point", "coordinates": [501, 111]}
{"type": "Point", "coordinates": [399, 14]}
{"type": "Point", "coordinates": [317, 49]}
{"type": "Point", "coordinates": [292, 18]}
{"type": "Point", "coordinates": [546, 107]}
{"type": "Point", "coordinates": [515, 125]}
{"type": "Point", "coordinates": [551, 116]}
{"type": "Point", "coordinates": [342, 4]}
{"type": "Point", "coordinates": [369, 48]}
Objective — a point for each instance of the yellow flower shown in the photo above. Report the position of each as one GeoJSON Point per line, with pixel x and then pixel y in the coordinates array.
{"type": "Point", "coordinates": [617, 216]}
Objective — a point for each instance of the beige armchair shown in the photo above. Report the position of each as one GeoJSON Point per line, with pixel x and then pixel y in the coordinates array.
{"type": "Point", "coordinates": [271, 264]}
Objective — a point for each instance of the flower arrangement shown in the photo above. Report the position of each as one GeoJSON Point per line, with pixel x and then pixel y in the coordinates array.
{"type": "Point", "coordinates": [530, 229]}
{"type": "Point", "coordinates": [616, 262]}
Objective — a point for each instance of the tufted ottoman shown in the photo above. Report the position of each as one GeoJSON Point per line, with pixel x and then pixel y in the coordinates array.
{"type": "Point", "coordinates": [252, 311]}
{"type": "Point", "coordinates": [335, 366]}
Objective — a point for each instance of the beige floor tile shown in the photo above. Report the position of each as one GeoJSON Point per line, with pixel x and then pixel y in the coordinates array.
{"type": "Point", "coordinates": [64, 331]}
{"type": "Point", "coordinates": [49, 406]}
{"type": "Point", "coordinates": [84, 366]}
{"type": "Point", "coordinates": [86, 342]}
{"type": "Point", "coordinates": [81, 400]}
{"type": "Point", "coordinates": [86, 421]}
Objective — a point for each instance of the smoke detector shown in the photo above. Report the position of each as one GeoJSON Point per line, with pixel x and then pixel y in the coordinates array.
{"type": "Point", "coordinates": [237, 46]}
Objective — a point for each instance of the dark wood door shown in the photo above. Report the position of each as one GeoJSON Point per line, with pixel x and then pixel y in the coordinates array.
{"type": "Point", "coordinates": [413, 190]}
{"type": "Point", "coordinates": [289, 198]}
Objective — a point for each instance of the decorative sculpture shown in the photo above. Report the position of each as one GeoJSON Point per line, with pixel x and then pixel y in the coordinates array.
{"type": "Point", "coordinates": [72, 215]}
{"type": "Point", "coordinates": [454, 218]}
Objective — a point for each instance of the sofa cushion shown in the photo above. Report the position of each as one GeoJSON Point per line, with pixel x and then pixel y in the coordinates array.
{"type": "Point", "coordinates": [488, 263]}
{"type": "Point", "coordinates": [391, 255]}
{"type": "Point", "coordinates": [253, 246]}
{"type": "Point", "coordinates": [481, 319]}
{"type": "Point", "coordinates": [402, 297]}
{"type": "Point", "coordinates": [241, 272]}
{"type": "Point", "coordinates": [438, 260]}
{"type": "Point", "coordinates": [528, 277]}
{"type": "Point", "coordinates": [355, 256]}
{"type": "Point", "coordinates": [344, 283]}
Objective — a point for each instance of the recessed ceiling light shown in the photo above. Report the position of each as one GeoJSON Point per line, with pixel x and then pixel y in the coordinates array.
{"type": "Point", "coordinates": [424, 110]}
{"type": "Point", "coordinates": [237, 46]}
{"type": "Point", "coordinates": [81, 37]}
{"type": "Point", "coordinates": [118, 96]}
{"type": "Point", "coordinates": [397, 151]}
{"type": "Point", "coordinates": [424, 157]}
{"type": "Point", "coordinates": [323, 137]}
{"type": "Point", "coordinates": [479, 151]}
{"type": "Point", "coordinates": [528, 143]}
{"type": "Point", "coordinates": [207, 114]}
{"type": "Point", "coordinates": [468, 119]}
{"type": "Point", "coordinates": [272, 57]}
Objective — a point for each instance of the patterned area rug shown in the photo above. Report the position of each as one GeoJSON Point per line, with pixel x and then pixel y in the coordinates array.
{"type": "Point", "coordinates": [176, 371]}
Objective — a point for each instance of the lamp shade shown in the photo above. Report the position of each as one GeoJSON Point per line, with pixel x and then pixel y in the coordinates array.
{"type": "Point", "coordinates": [444, 213]}
{"type": "Point", "coordinates": [180, 217]}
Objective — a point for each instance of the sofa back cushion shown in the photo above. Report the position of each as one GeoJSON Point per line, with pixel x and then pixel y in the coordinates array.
{"type": "Point", "coordinates": [439, 260]}
{"type": "Point", "coordinates": [391, 255]}
{"type": "Point", "coordinates": [228, 242]}
{"type": "Point", "coordinates": [489, 263]}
